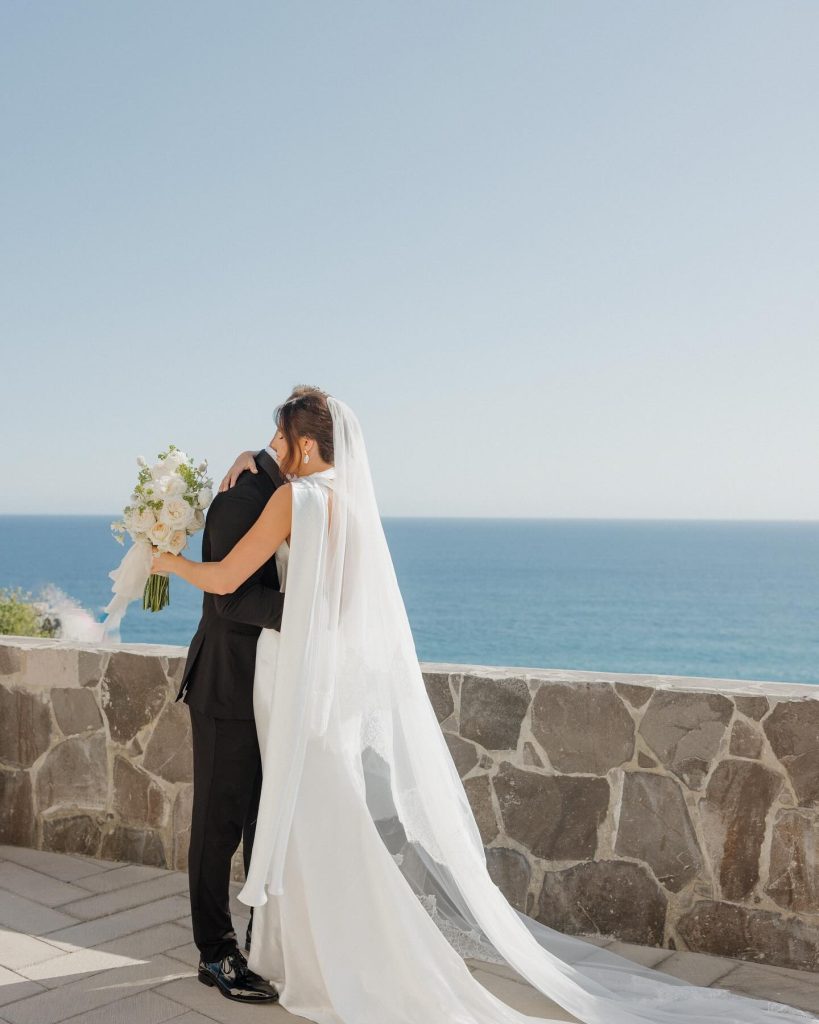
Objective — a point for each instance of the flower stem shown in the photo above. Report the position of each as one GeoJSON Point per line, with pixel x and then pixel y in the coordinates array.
{"type": "Point", "coordinates": [157, 593]}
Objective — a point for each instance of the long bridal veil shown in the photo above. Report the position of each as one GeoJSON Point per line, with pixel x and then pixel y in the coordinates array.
{"type": "Point", "coordinates": [354, 685]}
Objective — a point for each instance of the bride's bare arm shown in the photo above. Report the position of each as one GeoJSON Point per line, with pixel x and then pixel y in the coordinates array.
{"type": "Point", "coordinates": [243, 461]}
{"type": "Point", "coordinates": [245, 557]}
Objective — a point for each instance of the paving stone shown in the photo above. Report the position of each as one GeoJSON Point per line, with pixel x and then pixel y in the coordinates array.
{"type": "Point", "coordinates": [18, 950]}
{"type": "Point", "coordinates": [119, 878]}
{"type": "Point", "coordinates": [647, 956]}
{"type": "Point", "coordinates": [94, 933]}
{"type": "Point", "coordinates": [698, 968]}
{"type": "Point", "coordinates": [522, 998]}
{"type": "Point", "coordinates": [35, 885]}
{"type": "Point", "coordinates": [69, 869]}
{"type": "Point", "coordinates": [14, 987]}
{"type": "Point", "coordinates": [118, 953]}
{"type": "Point", "coordinates": [188, 954]}
{"type": "Point", "coordinates": [88, 994]}
{"type": "Point", "coordinates": [132, 896]}
{"type": "Point", "coordinates": [793, 988]}
{"type": "Point", "coordinates": [20, 914]}
{"type": "Point", "coordinates": [143, 1008]}
{"type": "Point", "coordinates": [192, 1017]}
{"type": "Point", "coordinates": [190, 992]}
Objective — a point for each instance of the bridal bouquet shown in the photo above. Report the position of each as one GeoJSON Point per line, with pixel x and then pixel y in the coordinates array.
{"type": "Point", "coordinates": [166, 507]}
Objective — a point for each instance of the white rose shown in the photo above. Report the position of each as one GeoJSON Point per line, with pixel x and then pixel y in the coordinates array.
{"type": "Point", "coordinates": [203, 466]}
{"type": "Point", "coordinates": [177, 540]}
{"type": "Point", "coordinates": [159, 469]}
{"type": "Point", "coordinates": [159, 535]}
{"type": "Point", "coordinates": [177, 513]}
{"type": "Point", "coordinates": [198, 522]}
{"type": "Point", "coordinates": [205, 497]}
{"type": "Point", "coordinates": [172, 486]}
{"type": "Point", "coordinates": [140, 522]}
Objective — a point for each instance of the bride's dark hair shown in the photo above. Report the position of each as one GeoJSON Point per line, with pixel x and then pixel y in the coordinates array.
{"type": "Point", "coordinates": [305, 414]}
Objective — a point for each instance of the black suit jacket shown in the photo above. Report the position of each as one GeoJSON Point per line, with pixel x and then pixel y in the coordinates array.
{"type": "Point", "coordinates": [218, 675]}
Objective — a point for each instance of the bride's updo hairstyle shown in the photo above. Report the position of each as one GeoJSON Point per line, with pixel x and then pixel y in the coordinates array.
{"type": "Point", "coordinates": [305, 414]}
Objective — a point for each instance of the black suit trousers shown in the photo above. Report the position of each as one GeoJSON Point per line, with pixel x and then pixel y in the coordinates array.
{"type": "Point", "coordinates": [227, 782]}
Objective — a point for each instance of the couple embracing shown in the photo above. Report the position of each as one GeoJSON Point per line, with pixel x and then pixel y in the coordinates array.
{"type": "Point", "coordinates": [316, 744]}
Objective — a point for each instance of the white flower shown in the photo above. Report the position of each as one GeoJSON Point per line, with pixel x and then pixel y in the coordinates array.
{"type": "Point", "coordinates": [177, 513]}
{"type": "Point", "coordinates": [177, 540]}
{"type": "Point", "coordinates": [171, 486]}
{"type": "Point", "coordinates": [198, 522]}
{"type": "Point", "coordinates": [159, 534]}
{"type": "Point", "coordinates": [141, 461]}
{"type": "Point", "coordinates": [205, 497]}
{"type": "Point", "coordinates": [140, 522]}
{"type": "Point", "coordinates": [203, 466]}
{"type": "Point", "coordinates": [159, 469]}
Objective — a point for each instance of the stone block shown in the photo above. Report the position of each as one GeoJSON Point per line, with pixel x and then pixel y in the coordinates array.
{"type": "Point", "coordinates": [16, 809]}
{"type": "Point", "coordinates": [479, 793]}
{"type": "Point", "coordinates": [556, 817]}
{"type": "Point", "coordinates": [739, 796]}
{"type": "Point", "coordinates": [792, 729]}
{"type": "Point", "coordinates": [74, 774]}
{"type": "Point", "coordinates": [25, 726]}
{"type": "Point", "coordinates": [138, 799]}
{"type": "Point", "coordinates": [755, 707]}
{"type": "Point", "coordinates": [73, 832]}
{"type": "Point", "coordinates": [636, 696]}
{"type": "Point", "coordinates": [11, 660]}
{"type": "Point", "coordinates": [531, 756]}
{"type": "Point", "coordinates": [492, 710]}
{"type": "Point", "coordinates": [464, 753]}
{"type": "Point", "coordinates": [90, 667]}
{"type": "Point", "coordinates": [605, 898]}
{"type": "Point", "coordinates": [439, 693]}
{"type": "Point", "coordinates": [747, 934]}
{"type": "Point", "coordinates": [134, 689]}
{"type": "Point", "coordinates": [583, 728]}
{"type": "Point", "coordinates": [76, 711]}
{"type": "Point", "coordinates": [138, 845]}
{"type": "Point", "coordinates": [684, 730]}
{"type": "Point", "coordinates": [793, 876]}
{"type": "Point", "coordinates": [169, 753]}
{"type": "Point", "coordinates": [182, 827]}
{"type": "Point", "coordinates": [655, 827]}
{"type": "Point", "coordinates": [745, 740]}
{"type": "Point", "coordinates": [510, 871]}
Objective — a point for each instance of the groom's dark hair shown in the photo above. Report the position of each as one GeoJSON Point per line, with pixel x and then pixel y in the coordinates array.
{"type": "Point", "coordinates": [305, 414]}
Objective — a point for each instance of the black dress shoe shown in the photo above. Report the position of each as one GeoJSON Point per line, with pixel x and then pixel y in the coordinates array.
{"type": "Point", "coordinates": [235, 980]}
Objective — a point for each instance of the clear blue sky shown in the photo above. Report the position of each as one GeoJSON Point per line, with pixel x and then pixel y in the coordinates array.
{"type": "Point", "coordinates": [562, 258]}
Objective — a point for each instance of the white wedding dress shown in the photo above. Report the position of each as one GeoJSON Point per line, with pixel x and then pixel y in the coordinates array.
{"type": "Point", "coordinates": [368, 875]}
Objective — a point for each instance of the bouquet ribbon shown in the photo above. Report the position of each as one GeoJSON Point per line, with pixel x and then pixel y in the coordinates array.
{"type": "Point", "coordinates": [129, 577]}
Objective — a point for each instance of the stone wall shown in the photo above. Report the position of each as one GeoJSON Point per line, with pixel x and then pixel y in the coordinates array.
{"type": "Point", "coordinates": [666, 811]}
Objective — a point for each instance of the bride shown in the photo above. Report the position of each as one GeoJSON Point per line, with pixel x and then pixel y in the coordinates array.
{"type": "Point", "coordinates": [368, 875]}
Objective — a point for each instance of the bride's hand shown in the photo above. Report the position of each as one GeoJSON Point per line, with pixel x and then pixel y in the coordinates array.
{"type": "Point", "coordinates": [162, 561]}
{"type": "Point", "coordinates": [243, 462]}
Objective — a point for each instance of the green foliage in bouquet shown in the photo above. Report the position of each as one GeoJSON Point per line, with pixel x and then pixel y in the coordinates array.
{"type": "Point", "coordinates": [20, 617]}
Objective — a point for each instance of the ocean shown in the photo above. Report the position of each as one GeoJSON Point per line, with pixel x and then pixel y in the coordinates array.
{"type": "Point", "coordinates": [735, 600]}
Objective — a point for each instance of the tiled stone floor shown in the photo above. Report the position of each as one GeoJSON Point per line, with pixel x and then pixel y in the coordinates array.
{"type": "Point", "coordinates": [96, 942]}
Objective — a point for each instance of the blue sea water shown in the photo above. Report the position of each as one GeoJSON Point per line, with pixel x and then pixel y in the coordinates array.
{"type": "Point", "coordinates": [707, 598]}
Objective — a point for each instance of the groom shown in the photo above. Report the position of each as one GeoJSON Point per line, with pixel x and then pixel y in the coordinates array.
{"type": "Point", "coordinates": [217, 686]}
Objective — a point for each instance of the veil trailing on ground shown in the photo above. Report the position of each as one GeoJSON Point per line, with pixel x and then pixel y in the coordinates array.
{"type": "Point", "coordinates": [355, 687]}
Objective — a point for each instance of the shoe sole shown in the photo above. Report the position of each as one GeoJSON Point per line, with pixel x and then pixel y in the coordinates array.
{"type": "Point", "coordinates": [207, 980]}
